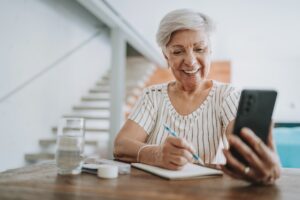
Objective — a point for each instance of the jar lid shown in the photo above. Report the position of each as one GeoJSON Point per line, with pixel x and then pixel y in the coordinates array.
{"type": "Point", "coordinates": [107, 171]}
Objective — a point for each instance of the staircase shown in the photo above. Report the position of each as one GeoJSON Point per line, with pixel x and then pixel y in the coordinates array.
{"type": "Point", "coordinates": [94, 108]}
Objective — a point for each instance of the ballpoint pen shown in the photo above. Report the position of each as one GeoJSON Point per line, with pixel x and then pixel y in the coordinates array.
{"type": "Point", "coordinates": [173, 133]}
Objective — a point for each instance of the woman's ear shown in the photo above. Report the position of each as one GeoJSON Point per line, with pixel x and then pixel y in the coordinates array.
{"type": "Point", "coordinates": [166, 57]}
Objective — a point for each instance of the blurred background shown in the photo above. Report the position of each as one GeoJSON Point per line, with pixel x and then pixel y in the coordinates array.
{"type": "Point", "coordinates": [92, 59]}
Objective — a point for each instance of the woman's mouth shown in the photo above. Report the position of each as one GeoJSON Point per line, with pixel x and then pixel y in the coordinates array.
{"type": "Point", "coordinates": [191, 71]}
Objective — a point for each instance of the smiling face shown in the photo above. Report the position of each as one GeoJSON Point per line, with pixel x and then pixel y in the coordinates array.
{"type": "Point", "coordinates": [188, 54]}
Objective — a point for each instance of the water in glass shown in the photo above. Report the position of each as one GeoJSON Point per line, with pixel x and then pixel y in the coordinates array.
{"type": "Point", "coordinates": [70, 146]}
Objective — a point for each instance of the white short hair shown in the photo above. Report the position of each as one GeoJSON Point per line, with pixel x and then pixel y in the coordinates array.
{"type": "Point", "coordinates": [182, 19]}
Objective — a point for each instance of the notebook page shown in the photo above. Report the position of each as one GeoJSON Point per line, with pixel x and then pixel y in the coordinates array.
{"type": "Point", "coordinates": [189, 171]}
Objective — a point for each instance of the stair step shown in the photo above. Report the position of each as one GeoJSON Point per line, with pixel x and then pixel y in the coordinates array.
{"type": "Point", "coordinates": [105, 87]}
{"type": "Point", "coordinates": [95, 99]}
{"type": "Point", "coordinates": [98, 94]}
{"type": "Point", "coordinates": [103, 124]}
{"type": "Point", "coordinates": [104, 94]}
{"type": "Point", "coordinates": [91, 113]}
{"type": "Point", "coordinates": [99, 90]}
{"type": "Point", "coordinates": [92, 135]}
{"type": "Point", "coordinates": [103, 83]}
{"type": "Point", "coordinates": [48, 142]}
{"type": "Point", "coordinates": [90, 108]}
{"type": "Point", "coordinates": [105, 77]}
{"type": "Point", "coordinates": [95, 103]}
{"type": "Point", "coordinates": [34, 157]}
{"type": "Point", "coordinates": [129, 85]}
{"type": "Point", "coordinates": [86, 117]}
{"type": "Point", "coordinates": [104, 130]}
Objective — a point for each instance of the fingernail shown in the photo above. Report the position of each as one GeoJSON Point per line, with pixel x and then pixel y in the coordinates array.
{"type": "Point", "coordinates": [246, 130]}
{"type": "Point", "coordinates": [193, 149]}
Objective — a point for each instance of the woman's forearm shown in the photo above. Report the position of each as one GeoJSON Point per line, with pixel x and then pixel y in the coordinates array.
{"type": "Point", "coordinates": [127, 150]}
{"type": "Point", "coordinates": [151, 155]}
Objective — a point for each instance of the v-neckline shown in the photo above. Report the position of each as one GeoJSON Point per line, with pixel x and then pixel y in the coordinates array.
{"type": "Point", "coordinates": [193, 114]}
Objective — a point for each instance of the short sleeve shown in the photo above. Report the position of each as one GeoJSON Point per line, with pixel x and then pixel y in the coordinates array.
{"type": "Point", "coordinates": [229, 106]}
{"type": "Point", "coordinates": [143, 113]}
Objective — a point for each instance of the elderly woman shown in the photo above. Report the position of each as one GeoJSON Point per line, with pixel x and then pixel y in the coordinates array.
{"type": "Point", "coordinates": [199, 110]}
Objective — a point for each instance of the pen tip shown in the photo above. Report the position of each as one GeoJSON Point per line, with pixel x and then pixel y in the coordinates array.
{"type": "Point", "coordinates": [166, 127]}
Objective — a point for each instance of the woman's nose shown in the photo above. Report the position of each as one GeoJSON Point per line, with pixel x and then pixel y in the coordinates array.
{"type": "Point", "coordinates": [190, 59]}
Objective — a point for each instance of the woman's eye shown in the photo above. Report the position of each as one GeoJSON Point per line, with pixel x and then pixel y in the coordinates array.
{"type": "Point", "coordinates": [199, 50]}
{"type": "Point", "coordinates": [177, 52]}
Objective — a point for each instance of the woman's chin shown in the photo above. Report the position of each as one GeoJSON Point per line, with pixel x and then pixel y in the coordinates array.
{"type": "Point", "coordinates": [191, 83]}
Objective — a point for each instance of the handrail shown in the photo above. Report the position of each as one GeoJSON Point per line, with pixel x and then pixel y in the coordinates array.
{"type": "Point", "coordinates": [52, 65]}
{"type": "Point", "coordinates": [108, 15]}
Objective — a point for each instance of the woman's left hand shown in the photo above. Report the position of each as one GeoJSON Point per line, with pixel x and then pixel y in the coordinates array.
{"type": "Point", "coordinates": [263, 162]}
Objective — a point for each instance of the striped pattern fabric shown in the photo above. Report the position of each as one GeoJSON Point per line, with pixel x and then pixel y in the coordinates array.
{"type": "Point", "coordinates": [204, 128]}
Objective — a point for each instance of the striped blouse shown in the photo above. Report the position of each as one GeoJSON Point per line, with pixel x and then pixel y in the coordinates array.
{"type": "Point", "coordinates": [204, 128]}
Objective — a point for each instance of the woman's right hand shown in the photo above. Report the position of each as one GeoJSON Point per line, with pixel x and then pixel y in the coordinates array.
{"type": "Point", "coordinates": [174, 153]}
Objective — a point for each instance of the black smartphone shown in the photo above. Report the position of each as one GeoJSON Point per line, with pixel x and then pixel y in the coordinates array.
{"type": "Point", "coordinates": [255, 112]}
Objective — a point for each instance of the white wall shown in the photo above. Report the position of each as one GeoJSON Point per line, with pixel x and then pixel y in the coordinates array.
{"type": "Point", "coordinates": [34, 35]}
{"type": "Point", "coordinates": [261, 38]}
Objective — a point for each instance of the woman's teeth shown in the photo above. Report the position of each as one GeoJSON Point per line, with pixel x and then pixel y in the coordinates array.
{"type": "Point", "coordinates": [191, 71]}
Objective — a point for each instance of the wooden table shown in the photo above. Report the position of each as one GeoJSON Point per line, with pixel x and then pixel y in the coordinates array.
{"type": "Point", "coordinates": [42, 182]}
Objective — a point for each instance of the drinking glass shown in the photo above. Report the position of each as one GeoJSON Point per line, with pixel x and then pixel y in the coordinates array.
{"type": "Point", "coordinates": [70, 146]}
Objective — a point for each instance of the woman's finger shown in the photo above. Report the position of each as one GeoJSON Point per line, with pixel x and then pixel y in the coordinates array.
{"type": "Point", "coordinates": [230, 173]}
{"type": "Point", "coordinates": [180, 143]}
{"type": "Point", "coordinates": [182, 152]}
{"type": "Point", "coordinates": [247, 153]}
{"type": "Point", "coordinates": [257, 144]}
{"type": "Point", "coordinates": [270, 141]}
{"type": "Point", "coordinates": [170, 165]}
{"type": "Point", "coordinates": [270, 161]}
{"type": "Point", "coordinates": [178, 156]}
{"type": "Point", "coordinates": [238, 168]}
{"type": "Point", "coordinates": [178, 160]}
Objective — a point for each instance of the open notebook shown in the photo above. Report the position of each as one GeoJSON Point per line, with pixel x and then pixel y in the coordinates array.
{"type": "Point", "coordinates": [190, 171]}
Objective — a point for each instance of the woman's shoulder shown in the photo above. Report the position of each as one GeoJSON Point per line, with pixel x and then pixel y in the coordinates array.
{"type": "Point", "coordinates": [155, 93]}
{"type": "Point", "coordinates": [225, 89]}
{"type": "Point", "coordinates": [157, 88]}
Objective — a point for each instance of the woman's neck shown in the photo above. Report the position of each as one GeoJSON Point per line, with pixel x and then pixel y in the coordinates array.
{"type": "Point", "coordinates": [192, 90]}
